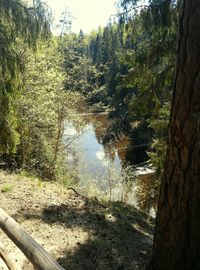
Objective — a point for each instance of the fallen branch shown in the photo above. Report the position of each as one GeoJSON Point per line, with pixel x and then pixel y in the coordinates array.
{"type": "Point", "coordinates": [86, 198]}
{"type": "Point", "coordinates": [71, 188]}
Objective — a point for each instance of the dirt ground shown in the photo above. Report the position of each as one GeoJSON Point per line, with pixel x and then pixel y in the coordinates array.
{"type": "Point", "coordinates": [78, 232]}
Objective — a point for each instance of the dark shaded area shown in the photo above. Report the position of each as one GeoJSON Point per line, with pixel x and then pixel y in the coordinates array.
{"type": "Point", "coordinates": [114, 243]}
{"type": "Point", "coordinates": [136, 155]}
{"type": "Point", "coordinates": [140, 137]}
{"type": "Point", "coordinates": [119, 237]}
{"type": "Point", "coordinates": [111, 244]}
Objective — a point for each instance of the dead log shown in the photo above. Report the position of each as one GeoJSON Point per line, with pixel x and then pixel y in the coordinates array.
{"type": "Point", "coordinates": [36, 254]}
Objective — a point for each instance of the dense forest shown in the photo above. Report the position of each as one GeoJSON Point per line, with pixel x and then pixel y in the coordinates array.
{"type": "Point", "coordinates": [125, 68]}
{"type": "Point", "coordinates": [132, 70]}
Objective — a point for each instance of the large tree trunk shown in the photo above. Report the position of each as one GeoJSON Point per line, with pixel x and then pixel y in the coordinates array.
{"type": "Point", "coordinates": [177, 234]}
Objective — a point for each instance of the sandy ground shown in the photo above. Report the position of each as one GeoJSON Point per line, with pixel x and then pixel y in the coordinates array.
{"type": "Point", "coordinates": [77, 231]}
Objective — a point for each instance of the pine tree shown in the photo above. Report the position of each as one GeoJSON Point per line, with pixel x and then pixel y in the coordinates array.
{"type": "Point", "coordinates": [177, 234]}
{"type": "Point", "coordinates": [19, 25]}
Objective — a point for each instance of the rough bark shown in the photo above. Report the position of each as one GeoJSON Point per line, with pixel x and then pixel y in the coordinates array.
{"type": "Point", "coordinates": [177, 234]}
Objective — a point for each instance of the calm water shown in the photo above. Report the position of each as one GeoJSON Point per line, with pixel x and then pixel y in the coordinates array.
{"type": "Point", "coordinates": [101, 168]}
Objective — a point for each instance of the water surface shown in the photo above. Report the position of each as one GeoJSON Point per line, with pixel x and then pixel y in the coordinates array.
{"type": "Point", "coordinates": [101, 167]}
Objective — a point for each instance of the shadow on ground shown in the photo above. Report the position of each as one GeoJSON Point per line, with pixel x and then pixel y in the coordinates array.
{"type": "Point", "coordinates": [119, 236]}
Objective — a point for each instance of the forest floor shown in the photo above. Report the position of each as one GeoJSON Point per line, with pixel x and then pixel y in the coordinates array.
{"type": "Point", "coordinates": [77, 231]}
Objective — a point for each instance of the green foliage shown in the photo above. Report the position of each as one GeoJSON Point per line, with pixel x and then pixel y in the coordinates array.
{"type": "Point", "coordinates": [117, 186]}
{"type": "Point", "coordinates": [41, 110]}
{"type": "Point", "coordinates": [151, 74]}
{"type": "Point", "coordinates": [127, 66]}
{"type": "Point", "coordinates": [19, 25]}
{"type": "Point", "coordinates": [6, 188]}
{"type": "Point", "coordinates": [138, 56]}
{"type": "Point", "coordinates": [103, 49]}
{"type": "Point", "coordinates": [81, 75]}
{"type": "Point", "coordinates": [160, 126]}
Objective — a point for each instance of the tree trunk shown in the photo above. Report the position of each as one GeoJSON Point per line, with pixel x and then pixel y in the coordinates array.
{"type": "Point", "coordinates": [60, 131]}
{"type": "Point", "coordinates": [177, 234]}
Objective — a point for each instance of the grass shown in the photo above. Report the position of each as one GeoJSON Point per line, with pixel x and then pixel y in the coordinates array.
{"type": "Point", "coordinates": [6, 188]}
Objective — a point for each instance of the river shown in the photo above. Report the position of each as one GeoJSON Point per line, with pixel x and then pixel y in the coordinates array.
{"type": "Point", "coordinates": [107, 171]}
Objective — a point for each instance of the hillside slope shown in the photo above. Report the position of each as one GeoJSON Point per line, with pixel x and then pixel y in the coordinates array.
{"type": "Point", "coordinates": [79, 232]}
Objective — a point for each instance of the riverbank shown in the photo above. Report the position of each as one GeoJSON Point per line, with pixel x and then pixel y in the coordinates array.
{"type": "Point", "coordinates": [80, 232]}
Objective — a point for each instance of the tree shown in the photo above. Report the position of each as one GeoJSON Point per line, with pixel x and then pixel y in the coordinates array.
{"type": "Point", "coordinates": [149, 56]}
{"type": "Point", "coordinates": [19, 25]}
{"type": "Point", "coordinates": [136, 57]}
{"type": "Point", "coordinates": [177, 235]}
{"type": "Point", "coordinates": [42, 110]}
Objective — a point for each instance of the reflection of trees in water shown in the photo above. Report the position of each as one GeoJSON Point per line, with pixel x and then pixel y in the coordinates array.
{"type": "Point", "coordinates": [128, 154]}
{"type": "Point", "coordinates": [136, 154]}
{"type": "Point", "coordinates": [124, 147]}
{"type": "Point", "coordinates": [73, 164]}
{"type": "Point", "coordinates": [100, 124]}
